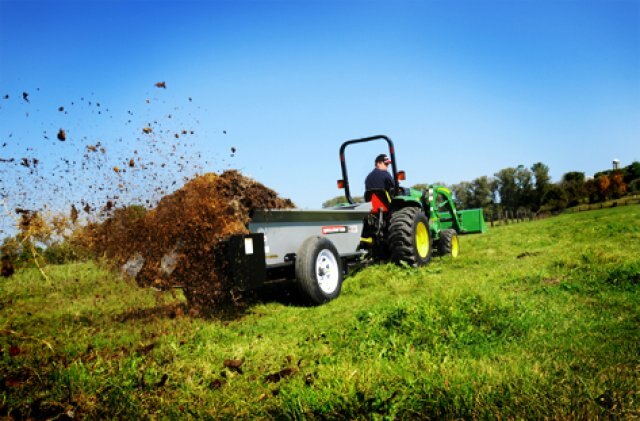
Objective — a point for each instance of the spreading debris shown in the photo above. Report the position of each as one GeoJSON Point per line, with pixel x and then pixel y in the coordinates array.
{"type": "Point", "coordinates": [169, 237]}
{"type": "Point", "coordinates": [181, 242]}
{"type": "Point", "coordinates": [6, 270]}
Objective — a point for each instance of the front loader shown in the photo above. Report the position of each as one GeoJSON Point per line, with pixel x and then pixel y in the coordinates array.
{"type": "Point", "coordinates": [406, 224]}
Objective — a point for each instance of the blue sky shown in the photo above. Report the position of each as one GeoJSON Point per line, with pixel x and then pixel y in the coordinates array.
{"type": "Point", "coordinates": [464, 88]}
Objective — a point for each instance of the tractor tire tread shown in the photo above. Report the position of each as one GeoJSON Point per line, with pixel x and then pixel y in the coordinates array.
{"type": "Point", "coordinates": [445, 244]}
{"type": "Point", "coordinates": [401, 236]}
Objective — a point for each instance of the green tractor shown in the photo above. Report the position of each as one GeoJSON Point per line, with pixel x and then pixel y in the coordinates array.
{"type": "Point", "coordinates": [406, 224]}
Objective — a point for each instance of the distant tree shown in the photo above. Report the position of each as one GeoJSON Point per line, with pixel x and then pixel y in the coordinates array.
{"type": "Point", "coordinates": [604, 187]}
{"type": "Point", "coordinates": [462, 193]}
{"type": "Point", "coordinates": [554, 199]}
{"type": "Point", "coordinates": [420, 186]}
{"type": "Point", "coordinates": [524, 181]}
{"type": "Point", "coordinates": [618, 186]}
{"type": "Point", "coordinates": [507, 188]}
{"type": "Point", "coordinates": [10, 247]}
{"type": "Point", "coordinates": [632, 172]}
{"type": "Point", "coordinates": [542, 182]}
{"type": "Point", "coordinates": [334, 201]}
{"type": "Point", "coordinates": [481, 192]}
{"type": "Point", "coordinates": [340, 199]}
{"type": "Point", "coordinates": [591, 190]}
{"type": "Point", "coordinates": [573, 184]}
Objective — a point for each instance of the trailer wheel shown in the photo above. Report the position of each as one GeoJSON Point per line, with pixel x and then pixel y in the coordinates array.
{"type": "Point", "coordinates": [448, 244]}
{"type": "Point", "coordinates": [319, 270]}
{"type": "Point", "coordinates": [409, 237]}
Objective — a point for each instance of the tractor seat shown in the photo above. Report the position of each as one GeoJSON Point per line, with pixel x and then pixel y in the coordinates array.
{"type": "Point", "coordinates": [379, 198]}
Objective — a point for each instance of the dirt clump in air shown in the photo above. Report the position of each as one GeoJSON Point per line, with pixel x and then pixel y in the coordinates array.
{"type": "Point", "coordinates": [181, 241]}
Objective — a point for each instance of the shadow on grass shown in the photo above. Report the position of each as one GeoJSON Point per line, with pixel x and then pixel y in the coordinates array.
{"type": "Point", "coordinates": [285, 294]}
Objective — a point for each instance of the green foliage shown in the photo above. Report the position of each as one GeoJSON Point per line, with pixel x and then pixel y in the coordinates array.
{"type": "Point", "coordinates": [65, 252]}
{"type": "Point", "coordinates": [632, 172]}
{"type": "Point", "coordinates": [555, 199]}
{"type": "Point", "coordinates": [573, 184]}
{"type": "Point", "coordinates": [420, 186]}
{"type": "Point", "coordinates": [533, 320]}
{"type": "Point", "coordinates": [542, 182]}
{"type": "Point", "coordinates": [523, 189]}
{"type": "Point", "coordinates": [507, 187]}
{"type": "Point", "coordinates": [475, 194]}
{"type": "Point", "coordinates": [340, 200]}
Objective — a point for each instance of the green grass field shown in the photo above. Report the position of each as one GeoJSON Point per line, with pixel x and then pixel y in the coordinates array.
{"type": "Point", "coordinates": [539, 319]}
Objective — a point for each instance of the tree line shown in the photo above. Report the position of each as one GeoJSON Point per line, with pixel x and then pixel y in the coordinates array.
{"type": "Point", "coordinates": [520, 188]}
{"type": "Point", "coordinates": [517, 189]}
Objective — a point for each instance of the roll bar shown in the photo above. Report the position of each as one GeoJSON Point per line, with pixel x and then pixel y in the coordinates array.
{"type": "Point", "coordinates": [343, 163]}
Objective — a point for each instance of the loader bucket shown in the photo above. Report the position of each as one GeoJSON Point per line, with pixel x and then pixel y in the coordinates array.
{"type": "Point", "coordinates": [472, 221]}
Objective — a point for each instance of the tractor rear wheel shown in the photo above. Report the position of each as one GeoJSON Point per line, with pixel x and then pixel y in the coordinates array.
{"type": "Point", "coordinates": [409, 237]}
{"type": "Point", "coordinates": [448, 244]}
{"type": "Point", "coordinates": [319, 270]}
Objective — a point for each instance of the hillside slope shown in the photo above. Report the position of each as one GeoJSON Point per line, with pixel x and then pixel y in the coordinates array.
{"type": "Point", "coordinates": [532, 320]}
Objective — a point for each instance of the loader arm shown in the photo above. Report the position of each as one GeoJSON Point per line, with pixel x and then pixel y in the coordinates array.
{"type": "Point", "coordinates": [446, 215]}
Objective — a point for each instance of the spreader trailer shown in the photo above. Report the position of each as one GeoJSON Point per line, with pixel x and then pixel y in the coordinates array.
{"type": "Point", "coordinates": [316, 248]}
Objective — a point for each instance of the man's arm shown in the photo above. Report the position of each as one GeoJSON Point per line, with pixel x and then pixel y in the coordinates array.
{"type": "Point", "coordinates": [389, 184]}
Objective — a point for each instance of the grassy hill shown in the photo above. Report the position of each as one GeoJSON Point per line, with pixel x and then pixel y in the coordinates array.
{"type": "Point", "coordinates": [540, 319]}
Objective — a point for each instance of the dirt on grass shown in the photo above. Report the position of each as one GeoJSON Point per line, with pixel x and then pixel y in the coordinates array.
{"type": "Point", "coordinates": [181, 242]}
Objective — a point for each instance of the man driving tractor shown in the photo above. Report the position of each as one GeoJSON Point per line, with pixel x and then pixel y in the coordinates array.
{"type": "Point", "coordinates": [379, 178]}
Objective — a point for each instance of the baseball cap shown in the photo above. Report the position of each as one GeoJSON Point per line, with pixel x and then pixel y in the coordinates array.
{"type": "Point", "coordinates": [383, 158]}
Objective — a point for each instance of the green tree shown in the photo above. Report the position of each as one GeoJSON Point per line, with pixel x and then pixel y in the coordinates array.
{"type": "Point", "coordinates": [340, 199]}
{"type": "Point", "coordinates": [573, 183]}
{"type": "Point", "coordinates": [524, 181]}
{"type": "Point", "coordinates": [507, 188]}
{"type": "Point", "coordinates": [542, 183]}
{"type": "Point", "coordinates": [462, 194]}
{"type": "Point", "coordinates": [592, 190]}
{"type": "Point", "coordinates": [554, 199]}
{"type": "Point", "coordinates": [632, 172]}
{"type": "Point", "coordinates": [481, 192]}
{"type": "Point", "coordinates": [420, 186]}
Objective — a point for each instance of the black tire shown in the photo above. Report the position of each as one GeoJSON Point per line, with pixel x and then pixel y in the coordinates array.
{"type": "Point", "coordinates": [409, 237]}
{"type": "Point", "coordinates": [448, 244]}
{"type": "Point", "coordinates": [319, 270]}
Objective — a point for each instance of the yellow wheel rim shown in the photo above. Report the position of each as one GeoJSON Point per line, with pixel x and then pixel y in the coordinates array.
{"type": "Point", "coordinates": [422, 240]}
{"type": "Point", "coordinates": [455, 248]}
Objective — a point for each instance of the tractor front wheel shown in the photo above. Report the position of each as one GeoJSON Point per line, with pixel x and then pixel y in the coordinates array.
{"type": "Point", "coordinates": [319, 270]}
{"type": "Point", "coordinates": [409, 237]}
{"type": "Point", "coordinates": [448, 244]}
